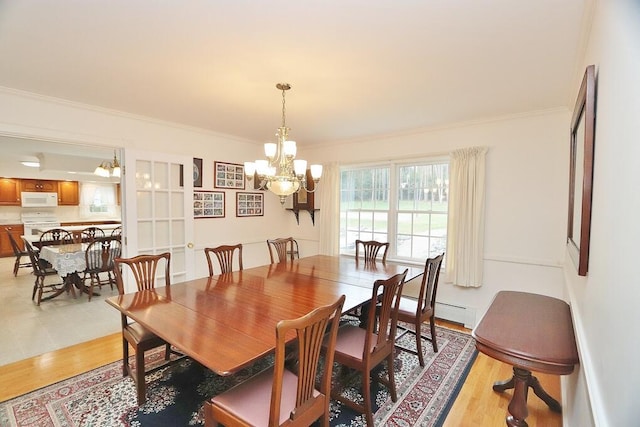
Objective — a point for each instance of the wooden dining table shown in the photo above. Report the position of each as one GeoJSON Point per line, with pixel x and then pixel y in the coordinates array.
{"type": "Point", "coordinates": [68, 260]}
{"type": "Point", "coordinates": [227, 322]}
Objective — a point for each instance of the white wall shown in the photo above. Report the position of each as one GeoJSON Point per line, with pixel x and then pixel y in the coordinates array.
{"type": "Point", "coordinates": [526, 198]}
{"type": "Point", "coordinates": [605, 302]}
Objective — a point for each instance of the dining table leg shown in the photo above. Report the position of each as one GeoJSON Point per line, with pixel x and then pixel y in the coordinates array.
{"type": "Point", "coordinates": [78, 282]}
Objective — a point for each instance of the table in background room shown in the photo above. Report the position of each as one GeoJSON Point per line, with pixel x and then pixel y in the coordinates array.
{"type": "Point", "coordinates": [69, 261]}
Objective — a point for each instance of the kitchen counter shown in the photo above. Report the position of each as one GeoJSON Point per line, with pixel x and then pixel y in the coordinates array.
{"type": "Point", "coordinates": [10, 221]}
{"type": "Point", "coordinates": [72, 228]}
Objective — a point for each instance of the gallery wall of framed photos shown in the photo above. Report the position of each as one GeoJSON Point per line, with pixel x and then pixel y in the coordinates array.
{"type": "Point", "coordinates": [226, 176]}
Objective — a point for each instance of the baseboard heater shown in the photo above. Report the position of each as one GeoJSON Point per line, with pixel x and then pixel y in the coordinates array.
{"type": "Point", "coordinates": [454, 313]}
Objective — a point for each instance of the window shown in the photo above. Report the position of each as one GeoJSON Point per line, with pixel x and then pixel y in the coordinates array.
{"type": "Point", "coordinates": [97, 200]}
{"type": "Point", "coordinates": [404, 204]}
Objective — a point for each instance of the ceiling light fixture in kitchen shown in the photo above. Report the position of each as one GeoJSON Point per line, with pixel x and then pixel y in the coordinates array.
{"type": "Point", "coordinates": [107, 169]}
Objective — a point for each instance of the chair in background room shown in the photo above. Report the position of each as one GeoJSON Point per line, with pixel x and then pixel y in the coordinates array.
{"type": "Point", "coordinates": [90, 234]}
{"type": "Point", "coordinates": [41, 270]}
{"type": "Point", "coordinates": [224, 253]}
{"type": "Point", "coordinates": [364, 349]}
{"type": "Point", "coordinates": [416, 312]}
{"type": "Point", "coordinates": [18, 253]}
{"type": "Point", "coordinates": [279, 396]}
{"type": "Point", "coordinates": [371, 249]}
{"type": "Point", "coordinates": [116, 232]}
{"type": "Point", "coordinates": [283, 249]}
{"type": "Point", "coordinates": [144, 269]}
{"type": "Point", "coordinates": [100, 257]}
{"type": "Point", "coordinates": [56, 236]}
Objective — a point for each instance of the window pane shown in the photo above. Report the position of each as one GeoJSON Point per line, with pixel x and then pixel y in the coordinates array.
{"type": "Point", "coordinates": [421, 224]}
{"type": "Point", "coordinates": [403, 246]}
{"type": "Point", "coordinates": [366, 221]}
{"type": "Point", "coordinates": [405, 223]}
{"type": "Point", "coordinates": [439, 225]}
{"type": "Point", "coordinates": [420, 248]}
{"type": "Point", "coordinates": [381, 223]}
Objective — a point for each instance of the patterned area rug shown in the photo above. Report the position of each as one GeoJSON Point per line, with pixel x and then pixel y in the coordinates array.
{"type": "Point", "coordinates": [176, 392]}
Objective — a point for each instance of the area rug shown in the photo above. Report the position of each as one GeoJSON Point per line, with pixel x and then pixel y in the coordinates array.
{"type": "Point", "coordinates": [176, 392]}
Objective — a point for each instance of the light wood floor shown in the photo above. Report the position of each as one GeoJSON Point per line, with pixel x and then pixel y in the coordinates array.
{"type": "Point", "coordinates": [476, 405]}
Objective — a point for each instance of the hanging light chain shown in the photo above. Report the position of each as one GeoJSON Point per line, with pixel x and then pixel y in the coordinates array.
{"type": "Point", "coordinates": [284, 114]}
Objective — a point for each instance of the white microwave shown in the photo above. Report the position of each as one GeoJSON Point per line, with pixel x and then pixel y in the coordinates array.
{"type": "Point", "coordinates": [34, 199]}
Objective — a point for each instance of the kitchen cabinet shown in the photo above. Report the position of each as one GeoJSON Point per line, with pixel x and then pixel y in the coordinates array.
{"type": "Point", "coordinates": [42, 185]}
{"type": "Point", "coordinates": [9, 192]}
{"type": "Point", "coordinates": [68, 193]}
{"type": "Point", "coordinates": [16, 231]}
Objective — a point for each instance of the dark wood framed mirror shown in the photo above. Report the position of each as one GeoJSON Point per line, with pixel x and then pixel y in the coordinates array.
{"type": "Point", "coordinates": [581, 172]}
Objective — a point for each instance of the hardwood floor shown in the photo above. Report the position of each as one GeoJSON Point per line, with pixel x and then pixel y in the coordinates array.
{"type": "Point", "coordinates": [476, 405]}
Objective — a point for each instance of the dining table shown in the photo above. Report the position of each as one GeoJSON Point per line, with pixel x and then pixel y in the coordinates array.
{"type": "Point", "coordinates": [227, 322]}
{"type": "Point", "coordinates": [69, 261]}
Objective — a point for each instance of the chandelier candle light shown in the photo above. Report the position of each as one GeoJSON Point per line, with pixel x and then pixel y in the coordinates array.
{"type": "Point", "coordinates": [281, 173]}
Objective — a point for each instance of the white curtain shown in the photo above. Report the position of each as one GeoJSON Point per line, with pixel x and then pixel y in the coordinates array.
{"type": "Point", "coordinates": [329, 218]}
{"type": "Point", "coordinates": [465, 230]}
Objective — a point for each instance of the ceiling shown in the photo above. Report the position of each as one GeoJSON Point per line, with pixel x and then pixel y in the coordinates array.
{"type": "Point", "coordinates": [357, 68]}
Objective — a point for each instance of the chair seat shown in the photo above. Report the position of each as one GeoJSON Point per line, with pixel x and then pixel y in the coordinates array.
{"type": "Point", "coordinates": [408, 307]}
{"type": "Point", "coordinates": [140, 334]}
{"type": "Point", "coordinates": [350, 341]}
{"type": "Point", "coordinates": [251, 400]}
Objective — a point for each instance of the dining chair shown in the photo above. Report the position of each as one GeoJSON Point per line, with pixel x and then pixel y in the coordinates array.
{"type": "Point", "coordinates": [41, 270]}
{"type": "Point", "coordinates": [56, 236]}
{"type": "Point", "coordinates": [282, 247]}
{"type": "Point", "coordinates": [18, 253]}
{"type": "Point", "coordinates": [143, 268]}
{"type": "Point", "coordinates": [279, 396]}
{"type": "Point", "coordinates": [364, 349]}
{"type": "Point", "coordinates": [224, 253]}
{"type": "Point", "coordinates": [417, 311]}
{"type": "Point", "coordinates": [89, 234]}
{"type": "Point", "coordinates": [295, 251]}
{"type": "Point", "coordinates": [116, 232]}
{"type": "Point", "coordinates": [371, 249]}
{"type": "Point", "coordinates": [100, 257]}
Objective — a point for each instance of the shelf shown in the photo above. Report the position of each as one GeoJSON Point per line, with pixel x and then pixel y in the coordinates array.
{"type": "Point", "coordinates": [312, 214]}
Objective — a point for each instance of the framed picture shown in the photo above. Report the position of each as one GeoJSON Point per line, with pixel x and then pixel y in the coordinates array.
{"type": "Point", "coordinates": [228, 175]}
{"type": "Point", "coordinates": [197, 173]}
{"type": "Point", "coordinates": [208, 204]}
{"type": "Point", "coordinates": [303, 200]}
{"type": "Point", "coordinates": [581, 172]}
{"type": "Point", "coordinates": [249, 204]}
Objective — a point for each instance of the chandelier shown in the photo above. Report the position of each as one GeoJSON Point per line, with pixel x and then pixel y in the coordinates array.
{"type": "Point", "coordinates": [107, 169]}
{"type": "Point", "coordinates": [281, 173]}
